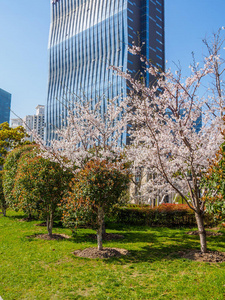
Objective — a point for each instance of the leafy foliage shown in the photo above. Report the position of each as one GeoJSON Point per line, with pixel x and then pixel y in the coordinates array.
{"type": "Point", "coordinates": [168, 215]}
{"type": "Point", "coordinates": [214, 183]}
{"type": "Point", "coordinates": [164, 215]}
{"type": "Point", "coordinates": [10, 170]}
{"type": "Point", "coordinates": [39, 186]}
{"type": "Point", "coordinates": [98, 185]}
{"type": "Point", "coordinates": [10, 138]}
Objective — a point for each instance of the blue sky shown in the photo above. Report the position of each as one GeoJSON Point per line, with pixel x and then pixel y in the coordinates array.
{"type": "Point", "coordinates": [24, 28]}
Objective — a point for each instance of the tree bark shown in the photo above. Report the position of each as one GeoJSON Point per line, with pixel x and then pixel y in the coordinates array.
{"type": "Point", "coordinates": [201, 231]}
{"type": "Point", "coordinates": [103, 226]}
{"type": "Point", "coordinates": [29, 216]}
{"type": "Point", "coordinates": [4, 211]}
{"type": "Point", "coordinates": [100, 226]}
{"type": "Point", "coordinates": [50, 223]}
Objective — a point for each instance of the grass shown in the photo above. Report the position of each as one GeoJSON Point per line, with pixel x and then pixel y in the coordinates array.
{"type": "Point", "coordinates": [39, 269]}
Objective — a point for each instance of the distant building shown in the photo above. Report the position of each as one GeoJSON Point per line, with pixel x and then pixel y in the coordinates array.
{"type": "Point", "coordinates": [5, 104]}
{"type": "Point", "coordinates": [28, 122]}
{"type": "Point", "coordinates": [32, 122]}
{"type": "Point", "coordinates": [39, 120]}
{"type": "Point", "coordinates": [16, 122]}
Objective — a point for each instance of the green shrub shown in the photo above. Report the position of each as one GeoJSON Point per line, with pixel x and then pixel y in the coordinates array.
{"type": "Point", "coordinates": [169, 215]}
{"type": "Point", "coordinates": [10, 170]}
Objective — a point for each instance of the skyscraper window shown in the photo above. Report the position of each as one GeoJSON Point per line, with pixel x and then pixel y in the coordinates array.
{"type": "Point", "coordinates": [88, 36]}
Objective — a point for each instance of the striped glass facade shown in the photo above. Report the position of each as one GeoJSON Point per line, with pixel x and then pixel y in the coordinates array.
{"type": "Point", "coordinates": [86, 37]}
{"type": "Point", "coordinates": [5, 105]}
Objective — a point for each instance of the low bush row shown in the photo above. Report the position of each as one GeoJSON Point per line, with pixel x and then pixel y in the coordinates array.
{"type": "Point", "coordinates": [168, 214]}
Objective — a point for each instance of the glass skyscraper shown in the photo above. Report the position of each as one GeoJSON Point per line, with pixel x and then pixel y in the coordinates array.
{"type": "Point", "coordinates": [5, 105]}
{"type": "Point", "coordinates": [86, 37]}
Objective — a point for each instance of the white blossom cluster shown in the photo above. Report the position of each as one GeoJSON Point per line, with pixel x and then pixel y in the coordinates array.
{"type": "Point", "coordinates": [89, 133]}
{"type": "Point", "coordinates": [165, 138]}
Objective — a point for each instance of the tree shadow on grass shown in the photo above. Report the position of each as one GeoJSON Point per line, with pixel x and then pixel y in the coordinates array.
{"type": "Point", "coordinates": [217, 242]}
{"type": "Point", "coordinates": [151, 254]}
{"type": "Point", "coordinates": [162, 247]}
{"type": "Point", "coordinates": [17, 217]}
{"type": "Point", "coordinates": [56, 224]}
{"type": "Point", "coordinates": [162, 244]}
{"type": "Point", "coordinates": [125, 227]}
{"type": "Point", "coordinates": [129, 227]}
{"type": "Point", "coordinates": [152, 235]}
{"type": "Point", "coordinates": [148, 235]}
{"type": "Point", "coordinates": [148, 254]}
{"type": "Point", "coordinates": [77, 239]}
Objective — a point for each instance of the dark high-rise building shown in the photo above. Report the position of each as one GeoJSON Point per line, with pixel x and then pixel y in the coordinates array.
{"type": "Point", "coordinates": [86, 37]}
{"type": "Point", "coordinates": [5, 104]}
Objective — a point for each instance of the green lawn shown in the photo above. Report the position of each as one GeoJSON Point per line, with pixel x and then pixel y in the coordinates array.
{"type": "Point", "coordinates": [39, 269]}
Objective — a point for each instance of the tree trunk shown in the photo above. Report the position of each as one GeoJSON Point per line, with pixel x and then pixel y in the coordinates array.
{"type": "Point", "coordinates": [29, 216]}
{"type": "Point", "coordinates": [50, 223]}
{"type": "Point", "coordinates": [4, 211]}
{"type": "Point", "coordinates": [100, 225]}
{"type": "Point", "coordinates": [3, 206]}
{"type": "Point", "coordinates": [103, 226]}
{"type": "Point", "coordinates": [201, 231]}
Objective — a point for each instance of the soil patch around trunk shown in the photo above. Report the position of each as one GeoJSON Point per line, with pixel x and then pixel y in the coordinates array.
{"type": "Point", "coordinates": [105, 253]}
{"type": "Point", "coordinates": [108, 236]}
{"type": "Point", "coordinates": [209, 256]}
{"type": "Point", "coordinates": [208, 233]}
{"type": "Point", "coordinates": [47, 237]}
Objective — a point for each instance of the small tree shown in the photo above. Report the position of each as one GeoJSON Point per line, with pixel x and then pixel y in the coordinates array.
{"type": "Point", "coordinates": [94, 192]}
{"type": "Point", "coordinates": [39, 186]}
{"type": "Point", "coordinates": [10, 138]}
{"type": "Point", "coordinates": [10, 170]}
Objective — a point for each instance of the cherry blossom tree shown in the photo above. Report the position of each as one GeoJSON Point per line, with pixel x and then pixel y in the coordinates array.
{"type": "Point", "coordinates": [92, 132]}
{"type": "Point", "coordinates": [175, 131]}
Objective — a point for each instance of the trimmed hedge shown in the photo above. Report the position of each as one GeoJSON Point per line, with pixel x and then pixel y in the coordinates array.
{"type": "Point", "coordinates": [169, 215]}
